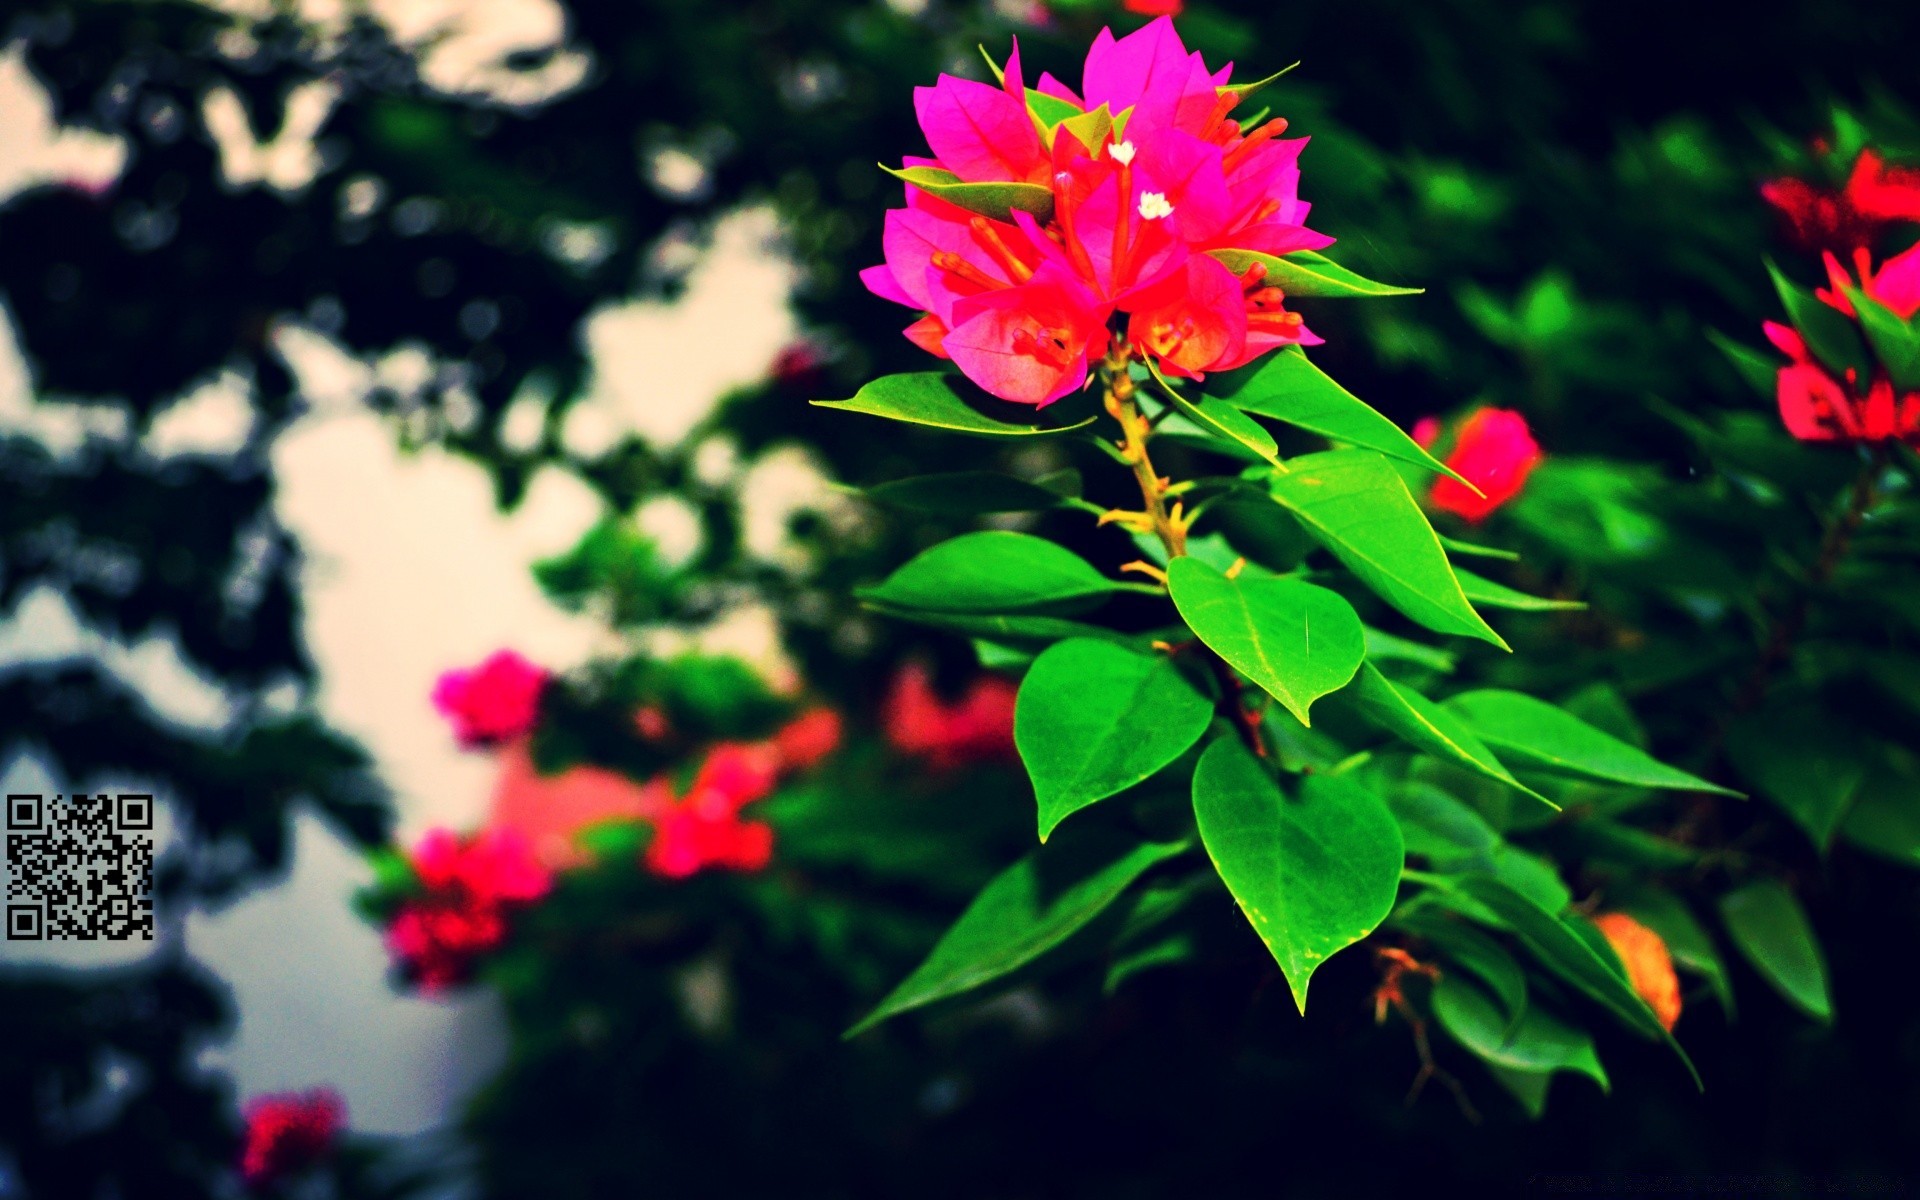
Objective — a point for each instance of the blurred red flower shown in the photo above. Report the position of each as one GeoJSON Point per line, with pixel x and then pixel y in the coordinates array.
{"type": "Point", "coordinates": [467, 889]}
{"type": "Point", "coordinates": [493, 702]}
{"type": "Point", "coordinates": [287, 1132]}
{"type": "Point", "coordinates": [1494, 450]}
{"type": "Point", "coordinates": [1851, 216]}
{"type": "Point", "coordinates": [976, 727]}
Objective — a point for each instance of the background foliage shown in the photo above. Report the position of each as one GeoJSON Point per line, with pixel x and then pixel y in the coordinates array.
{"type": "Point", "coordinates": [1574, 184]}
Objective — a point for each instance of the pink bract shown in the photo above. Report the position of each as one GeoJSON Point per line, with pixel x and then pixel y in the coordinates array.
{"type": "Point", "coordinates": [1139, 221]}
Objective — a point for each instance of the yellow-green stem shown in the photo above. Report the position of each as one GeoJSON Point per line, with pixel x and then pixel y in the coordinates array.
{"type": "Point", "coordinates": [1167, 521]}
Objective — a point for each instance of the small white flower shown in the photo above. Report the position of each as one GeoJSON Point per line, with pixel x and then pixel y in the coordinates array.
{"type": "Point", "coordinates": [1153, 206]}
{"type": "Point", "coordinates": [1121, 152]}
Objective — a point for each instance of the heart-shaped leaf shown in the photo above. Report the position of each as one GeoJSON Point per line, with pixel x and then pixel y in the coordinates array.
{"type": "Point", "coordinates": [1297, 641]}
{"type": "Point", "coordinates": [1356, 505]}
{"type": "Point", "coordinates": [929, 398]}
{"type": "Point", "coordinates": [1313, 875]}
{"type": "Point", "coordinates": [1094, 718]}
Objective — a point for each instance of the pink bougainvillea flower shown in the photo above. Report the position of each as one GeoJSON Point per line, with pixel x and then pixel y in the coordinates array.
{"type": "Point", "coordinates": [1494, 450]}
{"type": "Point", "coordinates": [1143, 198]}
{"type": "Point", "coordinates": [288, 1132]}
{"type": "Point", "coordinates": [1816, 407]}
{"type": "Point", "coordinates": [493, 702]}
{"type": "Point", "coordinates": [1648, 962]}
{"type": "Point", "coordinates": [1155, 8]}
{"type": "Point", "coordinates": [467, 888]}
{"type": "Point", "coordinates": [1849, 217]}
{"type": "Point", "coordinates": [978, 727]}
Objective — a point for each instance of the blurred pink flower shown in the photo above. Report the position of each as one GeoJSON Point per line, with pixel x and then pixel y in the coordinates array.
{"type": "Point", "coordinates": [493, 702]}
{"type": "Point", "coordinates": [1494, 450]}
{"type": "Point", "coordinates": [976, 727]}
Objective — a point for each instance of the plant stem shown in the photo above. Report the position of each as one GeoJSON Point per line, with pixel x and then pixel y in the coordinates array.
{"type": "Point", "coordinates": [1167, 521]}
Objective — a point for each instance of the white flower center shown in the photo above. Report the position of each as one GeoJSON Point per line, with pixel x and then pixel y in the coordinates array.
{"type": "Point", "coordinates": [1153, 206]}
{"type": "Point", "coordinates": [1121, 152]}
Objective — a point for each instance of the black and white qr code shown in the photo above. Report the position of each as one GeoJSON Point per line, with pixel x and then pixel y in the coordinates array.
{"type": "Point", "coordinates": [80, 867]}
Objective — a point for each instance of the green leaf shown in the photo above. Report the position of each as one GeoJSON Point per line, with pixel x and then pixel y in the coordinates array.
{"type": "Point", "coordinates": [1288, 387]}
{"type": "Point", "coordinates": [1013, 630]}
{"type": "Point", "coordinates": [1885, 817]}
{"type": "Point", "coordinates": [1829, 335]}
{"type": "Point", "coordinates": [1093, 719]}
{"type": "Point", "coordinates": [1220, 419]}
{"type": "Point", "coordinates": [1312, 875]}
{"type": "Point", "coordinates": [1538, 736]}
{"type": "Point", "coordinates": [1426, 726]}
{"type": "Point", "coordinates": [1568, 955]}
{"type": "Point", "coordinates": [1803, 761]}
{"type": "Point", "coordinates": [997, 201]}
{"type": "Point", "coordinates": [929, 398]}
{"type": "Point", "coordinates": [994, 571]}
{"type": "Point", "coordinates": [1538, 1043]}
{"type": "Point", "coordinates": [1771, 929]}
{"type": "Point", "coordinates": [1050, 111]}
{"type": "Point", "coordinates": [1243, 90]}
{"type": "Point", "coordinates": [1090, 129]}
{"type": "Point", "coordinates": [1443, 830]}
{"type": "Point", "coordinates": [1459, 944]}
{"type": "Point", "coordinates": [1355, 504]}
{"type": "Point", "coordinates": [965, 493]}
{"type": "Point", "coordinates": [1498, 595]}
{"type": "Point", "coordinates": [1383, 647]}
{"type": "Point", "coordinates": [1309, 273]}
{"type": "Point", "coordinates": [1297, 641]}
{"type": "Point", "coordinates": [1027, 910]}
{"type": "Point", "coordinates": [1474, 550]}
{"type": "Point", "coordinates": [1760, 372]}
{"type": "Point", "coordinates": [1895, 340]}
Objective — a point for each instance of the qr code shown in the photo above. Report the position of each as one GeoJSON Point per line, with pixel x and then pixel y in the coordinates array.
{"type": "Point", "coordinates": [80, 867]}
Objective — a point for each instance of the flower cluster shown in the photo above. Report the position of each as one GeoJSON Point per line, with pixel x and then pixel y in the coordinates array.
{"type": "Point", "coordinates": [976, 727]}
{"type": "Point", "coordinates": [1042, 214]}
{"type": "Point", "coordinates": [691, 832]}
{"type": "Point", "coordinates": [287, 1132]}
{"type": "Point", "coordinates": [1818, 406]}
{"type": "Point", "coordinates": [467, 889]}
{"type": "Point", "coordinates": [1853, 215]}
{"type": "Point", "coordinates": [1492, 449]}
{"type": "Point", "coordinates": [494, 702]}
